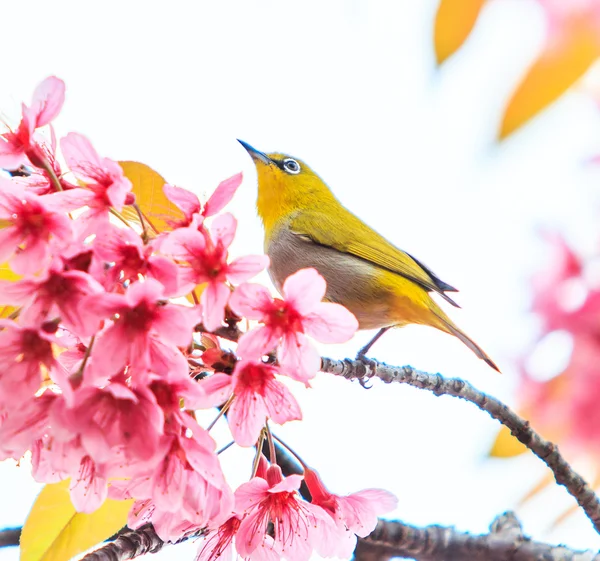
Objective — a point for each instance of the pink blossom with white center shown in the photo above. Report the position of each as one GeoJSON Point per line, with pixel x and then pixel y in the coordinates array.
{"type": "Point", "coordinates": [258, 397]}
{"type": "Point", "coordinates": [206, 258]}
{"type": "Point", "coordinates": [190, 204]}
{"type": "Point", "coordinates": [287, 322]}
{"type": "Point", "coordinates": [24, 351]}
{"type": "Point", "coordinates": [130, 257]}
{"type": "Point", "coordinates": [106, 184]}
{"type": "Point", "coordinates": [357, 512]}
{"type": "Point", "coordinates": [31, 223]}
{"type": "Point", "coordinates": [146, 329]}
{"type": "Point", "coordinates": [56, 291]}
{"type": "Point", "coordinates": [298, 528]}
{"type": "Point", "coordinates": [20, 146]}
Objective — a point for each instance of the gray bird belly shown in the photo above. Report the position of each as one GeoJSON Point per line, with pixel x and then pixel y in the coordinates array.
{"type": "Point", "coordinates": [349, 279]}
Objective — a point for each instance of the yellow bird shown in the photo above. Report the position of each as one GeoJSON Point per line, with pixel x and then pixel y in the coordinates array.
{"type": "Point", "coordinates": [306, 226]}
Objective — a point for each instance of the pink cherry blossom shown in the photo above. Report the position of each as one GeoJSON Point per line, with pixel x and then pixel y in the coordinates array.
{"type": "Point", "coordinates": [206, 258]}
{"type": "Point", "coordinates": [285, 322]}
{"type": "Point", "coordinates": [55, 291]}
{"type": "Point", "coordinates": [25, 350]}
{"type": "Point", "coordinates": [298, 527]}
{"type": "Point", "coordinates": [130, 257]}
{"type": "Point", "coordinates": [107, 186]}
{"type": "Point", "coordinates": [357, 512]}
{"type": "Point", "coordinates": [113, 422]}
{"type": "Point", "coordinates": [20, 146]}
{"type": "Point", "coordinates": [89, 486]}
{"type": "Point", "coordinates": [32, 221]}
{"type": "Point", "coordinates": [145, 333]}
{"type": "Point", "coordinates": [258, 397]}
{"type": "Point", "coordinates": [24, 424]}
{"type": "Point", "coordinates": [189, 203]}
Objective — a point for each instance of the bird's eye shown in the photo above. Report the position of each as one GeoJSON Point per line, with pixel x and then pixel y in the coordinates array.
{"type": "Point", "coordinates": [291, 166]}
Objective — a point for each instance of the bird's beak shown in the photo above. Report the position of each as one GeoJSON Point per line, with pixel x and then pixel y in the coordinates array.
{"type": "Point", "coordinates": [255, 154]}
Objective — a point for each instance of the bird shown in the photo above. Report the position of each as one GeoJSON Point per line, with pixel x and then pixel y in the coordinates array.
{"type": "Point", "coordinates": [305, 225]}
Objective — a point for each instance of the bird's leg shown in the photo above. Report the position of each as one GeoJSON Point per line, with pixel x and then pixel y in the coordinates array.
{"type": "Point", "coordinates": [363, 352]}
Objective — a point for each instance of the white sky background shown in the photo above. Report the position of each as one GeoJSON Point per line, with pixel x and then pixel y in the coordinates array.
{"type": "Point", "coordinates": [351, 88]}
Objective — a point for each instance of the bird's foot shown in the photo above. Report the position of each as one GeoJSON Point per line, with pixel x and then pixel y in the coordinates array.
{"type": "Point", "coordinates": [370, 364]}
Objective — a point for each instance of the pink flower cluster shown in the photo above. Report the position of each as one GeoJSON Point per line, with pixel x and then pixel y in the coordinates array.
{"type": "Point", "coordinates": [103, 363]}
{"type": "Point", "coordinates": [567, 300]}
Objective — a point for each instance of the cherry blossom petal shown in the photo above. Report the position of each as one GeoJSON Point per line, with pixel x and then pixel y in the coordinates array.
{"type": "Point", "coordinates": [222, 229]}
{"type": "Point", "coordinates": [330, 323]}
{"type": "Point", "coordinates": [298, 358]}
{"type": "Point", "coordinates": [185, 200]}
{"type": "Point", "coordinates": [244, 268]}
{"type": "Point", "coordinates": [304, 290]}
{"type": "Point", "coordinates": [182, 243]}
{"type": "Point", "coordinates": [281, 403]}
{"type": "Point", "coordinates": [247, 495]}
{"type": "Point", "coordinates": [250, 300]}
{"type": "Point", "coordinates": [213, 300]}
{"type": "Point", "coordinates": [169, 484]}
{"type": "Point", "coordinates": [48, 99]}
{"type": "Point", "coordinates": [359, 511]}
{"type": "Point", "coordinates": [247, 417]}
{"type": "Point", "coordinates": [222, 195]}
{"type": "Point", "coordinates": [217, 390]}
{"type": "Point", "coordinates": [257, 342]}
{"type": "Point", "coordinates": [81, 156]}
{"type": "Point", "coordinates": [88, 489]}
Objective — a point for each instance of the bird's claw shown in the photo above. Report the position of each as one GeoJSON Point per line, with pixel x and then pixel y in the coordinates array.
{"type": "Point", "coordinates": [370, 365]}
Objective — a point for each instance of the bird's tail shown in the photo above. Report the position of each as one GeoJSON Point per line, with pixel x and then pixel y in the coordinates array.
{"type": "Point", "coordinates": [449, 327]}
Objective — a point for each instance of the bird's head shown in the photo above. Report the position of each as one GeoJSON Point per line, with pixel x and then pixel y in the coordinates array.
{"type": "Point", "coordinates": [285, 184]}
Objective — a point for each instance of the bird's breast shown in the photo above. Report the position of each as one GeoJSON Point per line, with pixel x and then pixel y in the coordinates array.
{"type": "Point", "coordinates": [351, 281]}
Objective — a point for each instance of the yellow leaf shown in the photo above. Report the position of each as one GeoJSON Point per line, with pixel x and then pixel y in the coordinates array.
{"type": "Point", "coordinates": [6, 273]}
{"type": "Point", "coordinates": [561, 64]}
{"type": "Point", "coordinates": [150, 197]}
{"type": "Point", "coordinates": [506, 445]}
{"type": "Point", "coordinates": [454, 21]}
{"type": "Point", "coordinates": [54, 531]}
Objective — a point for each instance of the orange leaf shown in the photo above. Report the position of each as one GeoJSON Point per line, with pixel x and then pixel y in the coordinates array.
{"type": "Point", "coordinates": [506, 445]}
{"type": "Point", "coordinates": [565, 59]}
{"type": "Point", "coordinates": [150, 197]}
{"type": "Point", "coordinates": [453, 23]}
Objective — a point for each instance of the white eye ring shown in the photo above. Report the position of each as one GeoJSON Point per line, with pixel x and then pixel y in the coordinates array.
{"type": "Point", "coordinates": [291, 166]}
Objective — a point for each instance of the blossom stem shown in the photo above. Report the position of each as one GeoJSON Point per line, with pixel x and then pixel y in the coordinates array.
{"type": "Point", "coordinates": [227, 446]}
{"type": "Point", "coordinates": [88, 351]}
{"type": "Point", "coordinates": [221, 412]}
{"type": "Point", "coordinates": [142, 222]}
{"type": "Point", "coordinates": [290, 450]}
{"type": "Point", "coordinates": [121, 218]}
{"type": "Point", "coordinates": [50, 171]}
{"type": "Point", "coordinates": [272, 453]}
{"type": "Point", "coordinates": [259, 447]}
{"type": "Point", "coordinates": [195, 297]}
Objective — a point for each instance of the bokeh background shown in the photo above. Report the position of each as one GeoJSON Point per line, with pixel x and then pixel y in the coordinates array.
{"type": "Point", "coordinates": [354, 88]}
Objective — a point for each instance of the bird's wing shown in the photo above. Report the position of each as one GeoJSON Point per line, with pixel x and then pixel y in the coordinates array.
{"type": "Point", "coordinates": [367, 244]}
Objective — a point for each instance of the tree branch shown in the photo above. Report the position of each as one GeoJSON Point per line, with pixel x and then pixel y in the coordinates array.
{"type": "Point", "coordinates": [505, 542]}
{"type": "Point", "coordinates": [10, 537]}
{"type": "Point", "coordinates": [547, 451]}
{"type": "Point", "coordinates": [128, 545]}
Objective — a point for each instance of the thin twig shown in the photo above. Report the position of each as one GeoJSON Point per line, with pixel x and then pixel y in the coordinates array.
{"type": "Point", "coordinates": [547, 451]}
